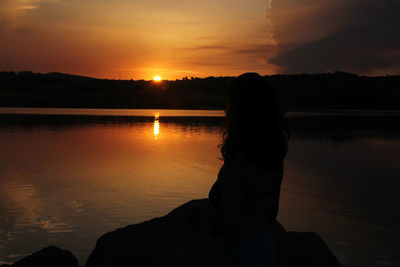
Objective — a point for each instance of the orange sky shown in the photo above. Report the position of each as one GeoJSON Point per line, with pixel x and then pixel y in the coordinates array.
{"type": "Point", "coordinates": [135, 39]}
{"type": "Point", "coordinates": [175, 38]}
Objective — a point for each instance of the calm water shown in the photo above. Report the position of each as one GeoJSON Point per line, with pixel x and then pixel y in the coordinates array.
{"type": "Point", "coordinates": [66, 180]}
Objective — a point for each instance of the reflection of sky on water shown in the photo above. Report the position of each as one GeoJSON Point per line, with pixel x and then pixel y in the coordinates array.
{"type": "Point", "coordinates": [347, 192]}
{"type": "Point", "coordinates": [28, 215]}
{"type": "Point", "coordinates": [69, 184]}
{"type": "Point", "coordinates": [32, 210]}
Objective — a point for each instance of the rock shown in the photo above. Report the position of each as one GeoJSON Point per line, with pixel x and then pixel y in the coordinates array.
{"type": "Point", "coordinates": [304, 249]}
{"type": "Point", "coordinates": [181, 238]}
{"type": "Point", "coordinates": [171, 239]}
{"type": "Point", "coordinates": [48, 257]}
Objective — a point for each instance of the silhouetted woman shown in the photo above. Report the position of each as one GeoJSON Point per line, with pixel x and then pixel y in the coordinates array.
{"type": "Point", "coordinates": [246, 193]}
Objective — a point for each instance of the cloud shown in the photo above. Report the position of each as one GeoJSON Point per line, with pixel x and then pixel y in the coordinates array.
{"type": "Point", "coordinates": [253, 48]}
{"type": "Point", "coordinates": [231, 57]}
{"type": "Point", "coordinates": [8, 5]}
{"type": "Point", "coordinates": [101, 38]}
{"type": "Point", "coordinates": [13, 13]}
{"type": "Point", "coordinates": [356, 35]}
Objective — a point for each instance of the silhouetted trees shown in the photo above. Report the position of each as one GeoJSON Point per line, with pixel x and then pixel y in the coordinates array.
{"type": "Point", "coordinates": [337, 90]}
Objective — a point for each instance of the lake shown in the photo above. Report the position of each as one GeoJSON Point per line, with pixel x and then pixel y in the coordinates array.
{"type": "Point", "coordinates": [67, 176]}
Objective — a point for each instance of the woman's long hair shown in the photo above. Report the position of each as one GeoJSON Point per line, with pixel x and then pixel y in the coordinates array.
{"type": "Point", "coordinates": [255, 123]}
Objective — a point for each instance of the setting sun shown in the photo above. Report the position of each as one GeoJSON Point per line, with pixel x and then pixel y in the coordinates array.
{"type": "Point", "coordinates": [157, 78]}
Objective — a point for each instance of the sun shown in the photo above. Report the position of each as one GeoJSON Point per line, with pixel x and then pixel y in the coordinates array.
{"type": "Point", "coordinates": [157, 79]}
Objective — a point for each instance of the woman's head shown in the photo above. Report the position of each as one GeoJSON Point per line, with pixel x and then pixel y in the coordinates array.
{"type": "Point", "coordinates": [255, 126]}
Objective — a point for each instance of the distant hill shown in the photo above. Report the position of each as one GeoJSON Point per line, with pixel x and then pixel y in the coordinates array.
{"type": "Point", "coordinates": [337, 90]}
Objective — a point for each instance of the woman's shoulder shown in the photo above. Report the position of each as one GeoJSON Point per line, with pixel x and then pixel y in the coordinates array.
{"type": "Point", "coordinates": [233, 164]}
{"type": "Point", "coordinates": [236, 160]}
{"type": "Point", "coordinates": [238, 166]}
{"type": "Point", "coordinates": [240, 161]}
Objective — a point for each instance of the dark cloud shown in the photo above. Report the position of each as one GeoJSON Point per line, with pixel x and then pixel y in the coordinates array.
{"type": "Point", "coordinates": [209, 47]}
{"type": "Point", "coordinates": [365, 39]}
{"type": "Point", "coordinates": [255, 50]}
{"type": "Point", "coordinates": [239, 49]}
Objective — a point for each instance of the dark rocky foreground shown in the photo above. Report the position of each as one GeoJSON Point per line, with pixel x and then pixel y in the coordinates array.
{"type": "Point", "coordinates": [181, 238]}
{"type": "Point", "coordinates": [48, 257]}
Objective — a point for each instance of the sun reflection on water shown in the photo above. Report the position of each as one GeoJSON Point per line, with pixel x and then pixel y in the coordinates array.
{"type": "Point", "coordinates": [156, 129]}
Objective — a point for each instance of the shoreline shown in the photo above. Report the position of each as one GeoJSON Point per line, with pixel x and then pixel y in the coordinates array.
{"type": "Point", "coordinates": [176, 112]}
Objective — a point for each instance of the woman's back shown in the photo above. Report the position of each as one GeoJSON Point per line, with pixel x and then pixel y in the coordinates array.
{"type": "Point", "coordinates": [247, 195]}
